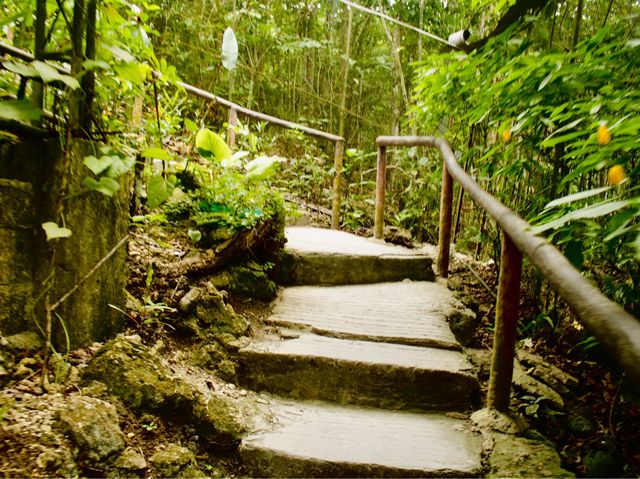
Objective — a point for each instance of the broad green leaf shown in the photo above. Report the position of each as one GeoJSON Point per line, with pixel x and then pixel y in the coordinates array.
{"type": "Point", "coordinates": [97, 165]}
{"type": "Point", "coordinates": [121, 164]}
{"type": "Point", "coordinates": [210, 144]}
{"type": "Point", "coordinates": [190, 125]}
{"type": "Point", "coordinates": [592, 211]}
{"type": "Point", "coordinates": [195, 235]}
{"type": "Point", "coordinates": [235, 160]}
{"type": "Point", "coordinates": [119, 53]}
{"type": "Point", "coordinates": [576, 196]}
{"type": "Point", "coordinates": [46, 72]}
{"type": "Point", "coordinates": [19, 110]}
{"type": "Point", "coordinates": [21, 69]}
{"type": "Point", "coordinates": [262, 167]}
{"type": "Point", "coordinates": [553, 140]}
{"type": "Point", "coordinates": [636, 244]}
{"type": "Point", "coordinates": [53, 231]}
{"type": "Point", "coordinates": [50, 74]}
{"type": "Point", "coordinates": [229, 49]}
{"type": "Point", "coordinates": [130, 71]}
{"type": "Point", "coordinates": [159, 190]}
{"type": "Point", "coordinates": [158, 153]}
{"type": "Point", "coordinates": [92, 65]}
{"type": "Point", "coordinates": [106, 186]}
{"type": "Point", "coordinates": [619, 224]}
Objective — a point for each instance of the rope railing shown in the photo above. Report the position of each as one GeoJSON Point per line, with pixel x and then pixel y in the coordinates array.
{"type": "Point", "coordinates": [613, 327]}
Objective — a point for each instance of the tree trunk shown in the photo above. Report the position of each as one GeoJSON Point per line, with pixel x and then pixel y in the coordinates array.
{"type": "Point", "coordinates": [40, 32]}
{"type": "Point", "coordinates": [345, 78]}
{"type": "Point", "coordinates": [576, 28]}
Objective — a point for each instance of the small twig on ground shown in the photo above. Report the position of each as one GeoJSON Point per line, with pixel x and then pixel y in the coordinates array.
{"type": "Point", "coordinates": [486, 286]}
{"type": "Point", "coordinates": [612, 427]}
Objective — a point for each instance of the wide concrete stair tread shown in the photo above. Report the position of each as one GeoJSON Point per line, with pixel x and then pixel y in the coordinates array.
{"type": "Point", "coordinates": [322, 440]}
{"type": "Point", "coordinates": [319, 256]}
{"type": "Point", "coordinates": [359, 372]}
{"type": "Point", "coordinates": [408, 312]}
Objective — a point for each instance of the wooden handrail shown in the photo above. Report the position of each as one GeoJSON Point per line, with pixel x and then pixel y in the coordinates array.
{"type": "Point", "coordinates": [615, 329]}
{"type": "Point", "coordinates": [234, 109]}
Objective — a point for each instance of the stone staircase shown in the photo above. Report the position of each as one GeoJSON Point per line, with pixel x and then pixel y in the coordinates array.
{"type": "Point", "coordinates": [366, 376]}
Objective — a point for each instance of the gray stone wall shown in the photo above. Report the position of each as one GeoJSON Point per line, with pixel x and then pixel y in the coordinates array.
{"type": "Point", "coordinates": [16, 254]}
{"type": "Point", "coordinates": [97, 223]}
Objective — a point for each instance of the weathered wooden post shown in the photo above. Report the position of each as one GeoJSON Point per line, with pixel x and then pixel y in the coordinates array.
{"type": "Point", "coordinates": [337, 184]}
{"type": "Point", "coordinates": [381, 180]}
{"type": "Point", "coordinates": [444, 235]}
{"type": "Point", "coordinates": [506, 326]}
{"type": "Point", "coordinates": [231, 129]}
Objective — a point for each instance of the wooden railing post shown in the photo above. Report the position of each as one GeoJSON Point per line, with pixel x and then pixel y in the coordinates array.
{"type": "Point", "coordinates": [505, 330]}
{"type": "Point", "coordinates": [231, 130]}
{"type": "Point", "coordinates": [381, 181]}
{"type": "Point", "coordinates": [337, 184]}
{"type": "Point", "coordinates": [444, 234]}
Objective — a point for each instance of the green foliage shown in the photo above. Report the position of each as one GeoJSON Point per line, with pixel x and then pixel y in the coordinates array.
{"type": "Point", "coordinates": [211, 145]}
{"type": "Point", "coordinates": [53, 231]}
{"type": "Point", "coordinates": [159, 189]}
{"type": "Point", "coordinates": [111, 165]}
{"type": "Point", "coordinates": [549, 125]}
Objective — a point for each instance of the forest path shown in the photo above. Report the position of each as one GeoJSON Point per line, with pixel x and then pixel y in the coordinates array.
{"type": "Point", "coordinates": [367, 377]}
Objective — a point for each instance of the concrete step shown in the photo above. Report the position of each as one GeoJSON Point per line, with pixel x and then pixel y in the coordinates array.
{"type": "Point", "coordinates": [392, 376]}
{"type": "Point", "coordinates": [320, 256]}
{"type": "Point", "coordinates": [408, 312]}
{"type": "Point", "coordinates": [321, 440]}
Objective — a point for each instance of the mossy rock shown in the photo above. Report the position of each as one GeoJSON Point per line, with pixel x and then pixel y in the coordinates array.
{"type": "Point", "coordinates": [208, 356]}
{"type": "Point", "coordinates": [137, 377]}
{"type": "Point", "coordinates": [172, 459]}
{"type": "Point", "coordinates": [514, 456]}
{"type": "Point", "coordinates": [204, 310]}
{"type": "Point", "coordinates": [249, 281]}
{"type": "Point", "coordinates": [224, 420]}
{"type": "Point", "coordinates": [93, 425]}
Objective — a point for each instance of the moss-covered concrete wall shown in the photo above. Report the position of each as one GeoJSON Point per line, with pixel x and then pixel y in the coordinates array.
{"type": "Point", "coordinates": [97, 223]}
{"type": "Point", "coordinates": [16, 260]}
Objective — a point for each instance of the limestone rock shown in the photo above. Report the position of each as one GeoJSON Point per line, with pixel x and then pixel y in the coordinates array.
{"type": "Point", "coordinates": [551, 375]}
{"type": "Point", "coordinates": [170, 460]}
{"type": "Point", "coordinates": [222, 419]}
{"type": "Point", "coordinates": [205, 308]}
{"type": "Point", "coordinates": [513, 456]}
{"type": "Point", "coordinates": [130, 461]}
{"type": "Point", "coordinates": [25, 342]}
{"type": "Point", "coordinates": [481, 359]}
{"type": "Point", "coordinates": [136, 376]}
{"type": "Point", "coordinates": [252, 282]}
{"type": "Point", "coordinates": [93, 426]}
{"type": "Point", "coordinates": [463, 323]}
{"type": "Point", "coordinates": [534, 387]}
{"type": "Point", "coordinates": [399, 236]}
{"type": "Point", "coordinates": [490, 420]}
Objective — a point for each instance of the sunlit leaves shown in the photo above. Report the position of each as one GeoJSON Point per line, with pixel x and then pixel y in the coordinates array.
{"type": "Point", "coordinates": [229, 49]}
{"type": "Point", "coordinates": [211, 145]}
{"type": "Point", "coordinates": [159, 189]}
{"type": "Point", "coordinates": [53, 231]}
{"type": "Point", "coordinates": [105, 185]}
{"type": "Point", "coordinates": [19, 110]}
{"type": "Point", "coordinates": [157, 153]}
